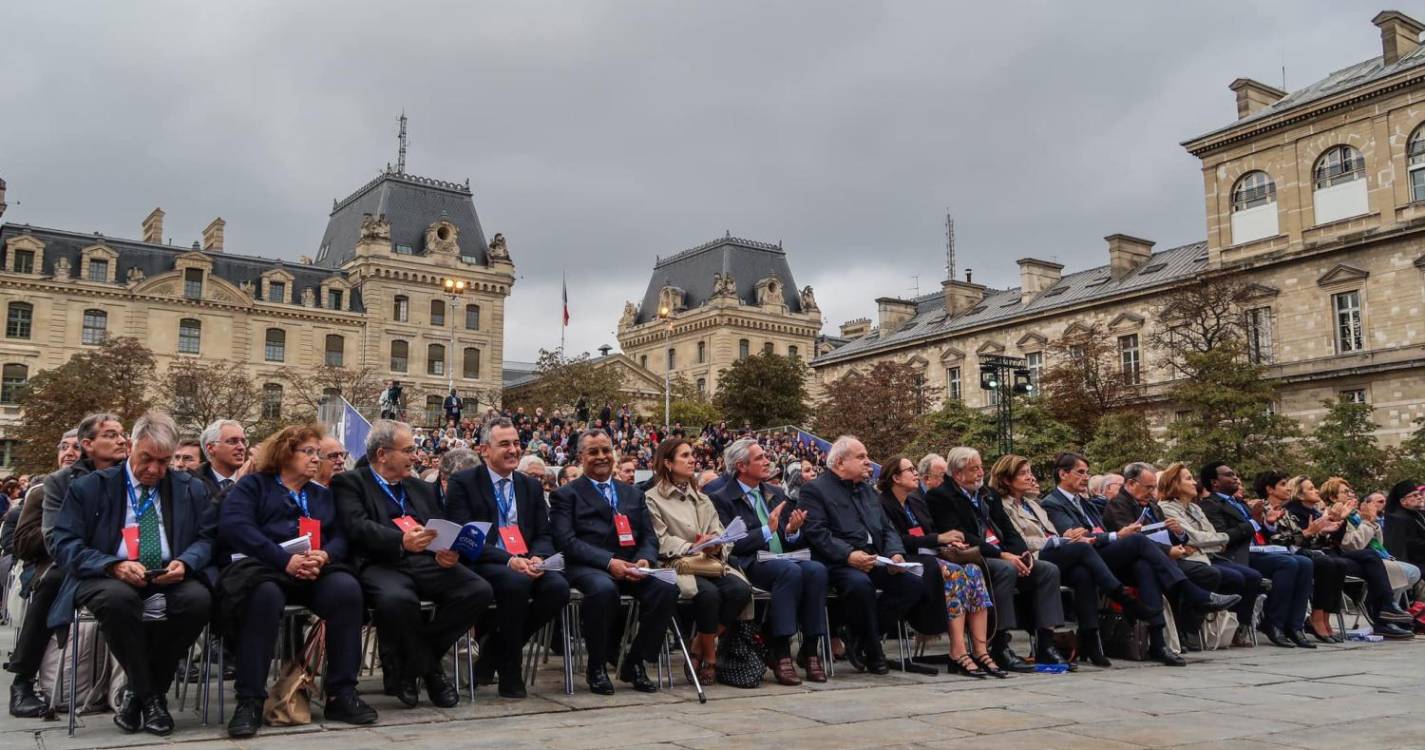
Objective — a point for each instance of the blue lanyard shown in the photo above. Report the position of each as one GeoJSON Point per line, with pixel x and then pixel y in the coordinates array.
{"type": "Point", "coordinates": [386, 488]}
{"type": "Point", "coordinates": [910, 516]}
{"type": "Point", "coordinates": [138, 510]}
{"type": "Point", "coordinates": [503, 502]}
{"type": "Point", "coordinates": [300, 498]}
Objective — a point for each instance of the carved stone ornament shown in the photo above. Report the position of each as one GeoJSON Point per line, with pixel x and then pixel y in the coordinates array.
{"type": "Point", "coordinates": [724, 285]}
{"type": "Point", "coordinates": [498, 251]}
{"type": "Point", "coordinates": [375, 228]}
{"type": "Point", "coordinates": [61, 269]}
{"type": "Point", "coordinates": [441, 238]}
{"type": "Point", "coordinates": [769, 291]}
{"type": "Point", "coordinates": [630, 314]}
{"type": "Point", "coordinates": [808, 300]}
{"type": "Point", "coordinates": [309, 297]}
{"type": "Point", "coordinates": [135, 275]}
{"type": "Point", "coordinates": [247, 288]}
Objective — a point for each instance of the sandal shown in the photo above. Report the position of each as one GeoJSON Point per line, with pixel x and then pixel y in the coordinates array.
{"type": "Point", "coordinates": [967, 666]}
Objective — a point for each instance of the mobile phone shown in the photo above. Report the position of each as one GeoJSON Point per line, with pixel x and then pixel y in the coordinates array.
{"type": "Point", "coordinates": [149, 575]}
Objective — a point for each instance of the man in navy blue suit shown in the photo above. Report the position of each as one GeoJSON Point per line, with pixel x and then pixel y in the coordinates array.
{"type": "Point", "coordinates": [606, 535]}
{"type": "Point", "coordinates": [526, 596]}
{"type": "Point", "coordinates": [125, 534]}
{"type": "Point", "coordinates": [798, 587]}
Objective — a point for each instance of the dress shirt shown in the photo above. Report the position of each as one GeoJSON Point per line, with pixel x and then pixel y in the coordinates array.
{"type": "Point", "coordinates": [766, 530]}
{"type": "Point", "coordinates": [131, 520]}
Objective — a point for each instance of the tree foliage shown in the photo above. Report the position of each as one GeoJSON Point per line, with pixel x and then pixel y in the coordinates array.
{"type": "Point", "coordinates": [562, 382]}
{"type": "Point", "coordinates": [878, 406]}
{"type": "Point", "coordinates": [1199, 318]}
{"type": "Point", "coordinates": [304, 391]}
{"type": "Point", "coordinates": [112, 377]}
{"type": "Point", "coordinates": [1122, 438]}
{"type": "Point", "coordinates": [1344, 445]}
{"type": "Point", "coordinates": [763, 390]}
{"type": "Point", "coordinates": [196, 394]}
{"type": "Point", "coordinates": [1036, 434]}
{"type": "Point", "coordinates": [688, 407]}
{"type": "Point", "coordinates": [1083, 380]}
{"type": "Point", "coordinates": [1407, 461]}
{"type": "Point", "coordinates": [1228, 414]}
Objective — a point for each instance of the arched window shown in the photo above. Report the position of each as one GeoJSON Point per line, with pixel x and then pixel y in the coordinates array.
{"type": "Point", "coordinates": [471, 363]}
{"type": "Point", "coordinates": [18, 317]}
{"type": "Point", "coordinates": [400, 356]}
{"type": "Point", "coordinates": [401, 309]}
{"type": "Point", "coordinates": [275, 349]}
{"type": "Point", "coordinates": [1254, 208]}
{"type": "Point", "coordinates": [12, 379]}
{"type": "Point", "coordinates": [435, 359]}
{"type": "Point", "coordinates": [335, 350]}
{"type": "Point", "coordinates": [272, 401]}
{"type": "Point", "coordinates": [1415, 163]}
{"type": "Point", "coordinates": [96, 327]}
{"type": "Point", "coordinates": [1340, 185]}
{"type": "Point", "coordinates": [190, 336]}
{"type": "Point", "coordinates": [744, 348]}
{"type": "Point", "coordinates": [472, 317]}
{"type": "Point", "coordinates": [437, 312]}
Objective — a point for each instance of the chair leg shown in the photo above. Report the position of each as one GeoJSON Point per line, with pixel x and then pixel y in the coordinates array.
{"type": "Point", "coordinates": [688, 660]}
{"type": "Point", "coordinates": [72, 643]}
{"type": "Point", "coordinates": [828, 657]}
{"type": "Point", "coordinates": [566, 619]}
{"type": "Point", "coordinates": [470, 660]}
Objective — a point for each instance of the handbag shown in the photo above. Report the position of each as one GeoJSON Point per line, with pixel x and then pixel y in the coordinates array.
{"type": "Point", "coordinates": [741, 656]}
{"type": "Point", "coordinates": [966, 556]}
{"type": "Point", "coordinates": [290, 701]}
{"type": "Point", "coordinates": [700, 565]}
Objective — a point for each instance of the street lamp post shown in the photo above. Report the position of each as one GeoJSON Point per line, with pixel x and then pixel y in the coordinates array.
{"type": "Point", "coordinates": [666, 315]}
{"type": "Point", "coordinates": [453, 289]}
{"type": "Point", "coordinates": [995, 376]}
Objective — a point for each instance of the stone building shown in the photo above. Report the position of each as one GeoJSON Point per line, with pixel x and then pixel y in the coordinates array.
{"type": "Point", "coordinates": [1315, 199]}
{"type": "Point", "coordinates": [714, 304]}
{"type": "Point", "coordinates": [374, 299]}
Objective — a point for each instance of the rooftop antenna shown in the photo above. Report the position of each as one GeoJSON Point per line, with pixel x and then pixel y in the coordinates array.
{"type": "Point", "coordinates": [949, 245]}
{"type": "Point", "coordinates": [401, 155]}
{"type": "Point", "coordinates": [915, 279]}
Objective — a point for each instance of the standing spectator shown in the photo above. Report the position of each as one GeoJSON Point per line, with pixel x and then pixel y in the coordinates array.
{"type": "Point", "coordinates": [454, 405]}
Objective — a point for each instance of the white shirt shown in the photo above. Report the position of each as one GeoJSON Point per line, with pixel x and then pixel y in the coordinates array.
{"type": "Point", "coordinates": [131, 520]}
{"type": "Point", "coordinates": [513, 516]}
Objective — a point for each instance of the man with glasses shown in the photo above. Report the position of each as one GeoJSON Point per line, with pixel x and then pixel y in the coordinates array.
{"type": "Point", "coordinates": [225, 446]}
{"type": "Point", "coordinates": [333, 460]}
{"type": "Point", "coordinates": [188, 457]}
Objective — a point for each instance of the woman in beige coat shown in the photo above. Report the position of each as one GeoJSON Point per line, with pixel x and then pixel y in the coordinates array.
{"type": "Point", "coordinates": [683, 517]}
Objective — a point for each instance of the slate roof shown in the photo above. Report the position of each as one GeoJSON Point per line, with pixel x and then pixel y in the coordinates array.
{"type": "Point", "coordinates": [155, 259]}
{"type": "Point", "coordinates": [411, 204]}
{"type": "Point", "coordinates": [1359, 74]}
{"type": "Point", "coordinates": [1004, 307]}
{"type": "Point", "coordinates": [518, 373]}
{"type": "Point", "coordinates": [692, 271]}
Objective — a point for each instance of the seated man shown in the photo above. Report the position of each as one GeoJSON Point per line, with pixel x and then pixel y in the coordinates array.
{"type": "Point", "coordinates": [798, 587]}
{"type": "Point", "coordinates": [847, 530]}
{"type": "Point", "coordinates": [385, 510]}
{"type": "Point", "coordinates": [526, 597]}
{"type": "Point", "coordinates": [606, 535]}
{"type": "Point", "coordinates": [124, 535]}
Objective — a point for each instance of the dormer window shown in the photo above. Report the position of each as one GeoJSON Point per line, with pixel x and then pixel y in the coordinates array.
{"type": "Point", "coordinates": [193, 283]}
{"type": "Point", "coordinates": [98, 270]}
{"type": "Point", "coordinates": [334, 299]}
{"type": "Point", "coordinates": [276, 291]}
{"type": "Point", "coordinates": [24, 261]}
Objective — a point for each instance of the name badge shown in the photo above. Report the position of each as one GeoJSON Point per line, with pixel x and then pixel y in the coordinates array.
{"type": "Point", "coordinates": [513, 539]}
{"type": "Point", "coordinates": [991, 538]}
{"type": "Point", "coordinates": [131, 541]}
{"type": "Point", "coordinates": [1098, 529]}
{"type": "Point", "coordinates": [310, 527]}
{"type": "Point", "coordinates": [625, 531]}
{"type": "Point", "coordinates": [916, 531]}
{"type": "Point", "coordinates": [406, 523]}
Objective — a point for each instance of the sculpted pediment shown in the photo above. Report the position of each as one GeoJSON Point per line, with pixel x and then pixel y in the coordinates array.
{"type": "Point", "coordinates": [1342, 273]}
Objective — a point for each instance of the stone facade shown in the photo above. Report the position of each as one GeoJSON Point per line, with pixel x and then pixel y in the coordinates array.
{"type": "Point", "coordinates": [1331, 240]}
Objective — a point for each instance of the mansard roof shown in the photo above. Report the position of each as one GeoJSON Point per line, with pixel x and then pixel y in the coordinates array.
{"type": "Point", "coordinates": [411, 204]}
{"type": "Point", "coordinates": [692, 271]}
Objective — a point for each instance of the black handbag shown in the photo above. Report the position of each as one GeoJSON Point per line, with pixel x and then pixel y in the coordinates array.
{"type": "Point", "coordinates": [742, 656]}
{"type": "Point", "coordinates": [1123, 638]}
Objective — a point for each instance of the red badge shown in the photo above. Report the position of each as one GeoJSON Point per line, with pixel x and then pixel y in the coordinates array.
{"type": "Point", "coordinates": [310, 527]}
{"type": "Point", "coordinates": [1098, 529]}
{"type": "Point", "coordinates": [513, 539]}
{"type": "Point", "coordinates": [625, 531]}
{"type": "Point", "coordinates": [991, 538]}
{"type": "Point", "coordinates": [916, 531]}
{"type": "Point", "coordinates": [406, 523]}
{"type": "Point", "coordinates": [131, 541]}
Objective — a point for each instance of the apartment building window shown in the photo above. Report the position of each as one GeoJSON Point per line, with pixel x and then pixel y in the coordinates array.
{"type": "Point", "coordinates": [702, 386]}
{"type": "Point", "coordinates": [272, 401]}
{"type": "Point", "coordinates": [400, 356]}
{"type": "Point", "coordinates": [193, 283]}
{"type": "Point", "coordinates": [98, 270]}
{"type": "Point", "coordinates": [12, 379]}
{"type": "Point", "coordinates": [96, 327]}
{"type": "Point", "coordinates": [1340, 185]}
{"type": "Point", "coordinates": [335, 350]}
{"type": "Point", "coordinates": [767, 348]}
{"type": "Point", "coordinates": [471, 364]}
{"type": "Point", "coordinates": [435, 359]}
{"type": "Point", "coordinates": [18, 318]}
{"type": "Point", "coordinates": [744, 348]}
{"type": "Point", "coordinates": [472, 317]}
{"type": "Point", "coordinates": [1129, 357]}
{"type": "Point", "coordinates": [1034, 362]}
{"type": "Point", "coordinates": [1349, 336]}
{"type": "Point", "coordinates": [190, 336]}
{"type": "Point", "coordinates": [401, 309]}
{"type": "Point", "coordinates": [334, 299]}
{"type": "Point", "coordinates": [793, 351]}
{"type": "Point", "coordinates": [952, 383]}
{"type": "Point", "coordinates": [672, 358]}
{"type": "Point", "coordinates": [275, 348]}
{"type": "Point", "coordinates": [1254, 208]}
{"type": "Point", "coordinates": [1354, 396]}
{"type": "Point", "coordinates": [437, 313]}
{"type": "Point", "coordinates": [702, 352]}
{"type": "Point", "coordinates": [1259, 335]}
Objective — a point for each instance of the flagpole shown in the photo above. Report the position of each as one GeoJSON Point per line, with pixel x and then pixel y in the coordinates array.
{"type": "Point", "coordinates": [564, 311]}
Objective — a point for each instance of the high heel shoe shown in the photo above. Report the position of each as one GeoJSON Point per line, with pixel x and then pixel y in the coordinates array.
{"type": "Point", "coordinates": [1326, 638]}
{"type": "Point", "coordinates": [987, 663]}
{"type": "Point", "coordinates": [965, 665]}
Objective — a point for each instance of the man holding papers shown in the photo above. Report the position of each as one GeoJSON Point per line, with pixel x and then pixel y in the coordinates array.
{"type": "Point", "coordinates": [847, 531]}
{"type": "Point", "coordinates": [607, 538]}
{"type": "Point", "coordinates": [385, 510]}
{"type": "Point", "coordinates": [798, 587]}
{"type": "Point", "coordinates": [526, 595]}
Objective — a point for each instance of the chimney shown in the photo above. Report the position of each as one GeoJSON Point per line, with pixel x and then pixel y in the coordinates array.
{"type": "Point", "coordinates": [213, 236]}
{"type": "Point", "coordinates": [153, 227]}
{"type": "Point", "coordinates": [1253, 96]}
{"type": "Point", "coordinates": [893, 313]}
{"type": "Point", "coordinates": [855, 329]}
{"type": "Point", "coordinates": [1399, 34]}
{"type": "Point", "coordinates": [604, 350]}
{"type": "Point", "coordinates": [961, 296]}
{"type": "Point", "coordinates": [1035, 276]}
{"type": "Point", "coordinates": [1126, 253]}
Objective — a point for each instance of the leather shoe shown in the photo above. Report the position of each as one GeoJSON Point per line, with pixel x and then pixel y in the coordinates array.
{"type": "Point", "coordinates": [1277, 637]}
{"type": "Point", "coordinates": [441, 690]}
{"type": "Point", "coordinates": [853, 652]}
{"type": "Point", "coordinates": [785, 672]}
{"type": "Point", "coordinates": [598, 679]}
{"type": "Point", "coordinates": [1394, 614]}
{"type": "Point", "coordinates": [633, 673]}
{"type": "Point", "coordinates": [811, 664]}
{"type": "Point", "coordinates": [1051, 655]}
{"type": "Point", "coordinates": [1007, 659]}
{"type": "Point", "coordinates": [877, 664]}
{"type": "Point", "coordinates": [128, 716]}
{"type": "Point", "coordinates": [1219, 602]}
{"type": "Point", "coordinates": [1092, 648]}
{"type": "Point", "coordinates": [247, 718]}
{"type": "Point", "coordinates": [1392, 631]}
{"type": "Point", "coordinates": [407, 691]}
{"type": "Point", "coordinates": [1299, 638]}
{"type": "Point", "coordinates": [512, 687]}
{"type": "Point", "coordinates": [25, 703]}
{"type": "Point", "coordinates": [348, 709]}
{"type": "Point", "coordinates": [156, 719]}
{"type": "Point", "coordinates": [1168, 658]}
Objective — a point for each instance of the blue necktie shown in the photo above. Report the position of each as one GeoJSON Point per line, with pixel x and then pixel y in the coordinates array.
{"type": "Point", "coordinates": [607, 490]}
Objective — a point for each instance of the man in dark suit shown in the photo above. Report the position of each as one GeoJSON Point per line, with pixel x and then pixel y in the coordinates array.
{"type": "Point", "coordinates": [385, 511]}
{"type": "Point", "coordinates": [963, 503]}
{"type": "Point", "coordinates": [225, 447]}
{"type": "Point", "coordinates": [847, 530]}
{"type": "Point", "coordinates": [526, 597]}
{"type": "Point", "coordinates": [798, 587]}
{"type": "Point", "coordinates": [606, 535]}
{"type": "Point", "coordinates": [125, 534]}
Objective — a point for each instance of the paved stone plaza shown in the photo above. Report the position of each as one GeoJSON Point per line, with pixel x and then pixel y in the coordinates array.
{"type": "Point", "coordinates": [1370, 696]}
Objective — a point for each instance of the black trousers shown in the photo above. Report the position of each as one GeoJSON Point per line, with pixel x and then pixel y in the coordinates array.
{"type": "Point", "coordinates": [1205, 577]}
{"type": "Point", "coordinates": [523, 605]}
{"type": "Point", "coordinates": [656, 600]}
{"type": "Point", "coordinates": [868, 615]}
{"type": "Point", "coordinates": [1328, 576]}
{"type": "Point", "coordinates": [1240, 579]}
{"type": "Point", "coordinates": [1083, 570]}
{"type": "Point", "coordinates": [148, 651]}
{"type": "Point", "coordinates": [798, 589]}
{"type": "Point", "coordinates": [1291, 585]}
{"type": "Point", "coordinates": [719, 601]}
{"type": "Point", "coordinates": [1137, 559]}
{"type": "Point", "coordinates": [1041, 587]}
{"type": "Point", "coordinates": [335, 597]}
{"type": "Point", "coordinates": [35, 632]}
{"type": "Point", "coordinates": [1368, 566]}
{"type": "Point", "coordinates": [411, 647]}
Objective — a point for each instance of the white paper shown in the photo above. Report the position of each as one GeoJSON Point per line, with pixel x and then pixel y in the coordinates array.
{"type": "Point", "coordinates": [554, 562]}
{"type": "Point", "coordinates": [667, 575]}
{"type": "Point", "coordinates": [913, 567]}
{"type": "Point", "coordinates": [796, 554]}
{"type": "Point", "coordinates": [297, 546]}
{"type": "Point", "coordinates": [735, 531]}
{"type": "Point", "coordinates": [928, 552]}
{"type": "Point", "coordinates": [446, 532]}
{"type": "Point", "coordinates": [1161, 537]}
{"type": "Point", "coordinates": [1154, 527]}
{"type": "Point", "coordinates": [1269, 549]}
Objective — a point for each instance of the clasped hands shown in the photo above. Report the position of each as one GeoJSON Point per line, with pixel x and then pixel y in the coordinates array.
{"type": "Point", "coordinates": [306, 566]}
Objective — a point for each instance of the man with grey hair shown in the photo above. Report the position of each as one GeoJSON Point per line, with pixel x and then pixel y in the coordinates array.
{"type": "Point", "coordinates": [124, 535]}
{"type": "Point", "coordinates": [225, 447]}
{"type": "Point", "coordinates": [932, 472]}
{"type": "Point", "coordinates": [451, 462]}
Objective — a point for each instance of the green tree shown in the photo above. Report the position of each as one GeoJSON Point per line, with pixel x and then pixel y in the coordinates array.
{"type": "Point", "coordinates": [1344, 445]}
{"type": "Point", "coordinates": [763, 390]}
{"type": "Point", "coordinates": [1037, 435]}
{"type": "Point", "coordinates": [1122, 438]}
{"type": "Point", "coordinates": [689, 408]}
{"type": "Point", "coordinates": [1228, 415]}
{"type": "Point", "coordinates": [112, 377]}
{"type": "Point", "coordinates": [1407, 461]}
{"type": "Point", "coordinates": [562, 381]}
{"type": "Point", "coordinates": [878, 406]}
{"type": "Point", "coordinates": [1084, 380]}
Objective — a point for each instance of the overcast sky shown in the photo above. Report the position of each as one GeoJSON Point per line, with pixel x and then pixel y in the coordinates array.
{"type": "Point", "coordinates": [598, 135]}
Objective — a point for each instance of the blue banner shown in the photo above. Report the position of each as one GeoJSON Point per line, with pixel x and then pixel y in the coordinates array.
{"type": "Point", "coordinates": [806, 438]}
{"type": "Point", "coordinates": [354, 429]}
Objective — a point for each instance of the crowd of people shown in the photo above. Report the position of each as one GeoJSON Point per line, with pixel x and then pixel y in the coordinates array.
{"type": "Point", "coordinates": [951, 545]}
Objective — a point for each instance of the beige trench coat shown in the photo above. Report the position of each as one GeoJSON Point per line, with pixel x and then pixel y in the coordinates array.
{"type": "Point", "coordinates": [679, 516]}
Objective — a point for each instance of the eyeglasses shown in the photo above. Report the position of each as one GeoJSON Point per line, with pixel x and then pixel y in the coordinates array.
{"type": "Point", "coordinates": [310, 452]}
{"type": "Point", "coordinates": [235, 441]}
{"type": "Point", "coordinates": [336, 456]}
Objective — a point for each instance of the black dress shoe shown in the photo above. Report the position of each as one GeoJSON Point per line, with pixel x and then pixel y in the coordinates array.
{"type": "Point", "coordinates": [247, 718]}
{"type": "Point", "coordinates": [1092, 648]}
{"type": "Point", "coordinates": [441, 690]}
{"type": "Point", "coordinates": [1051, 655]}
{"type": "Point", "coordinates": [1132, 606]}
{"type": "Point", "coordinates": [25, 703]}
{"type": "Point", "coordinates": [1276, 636]}
{"type": "Point", "coordinates": [1219, 602]}
{"type": "Point", "coordinates": [1168, 658]}
{"type": "Point", "coordinates": [407, 691]}
{"type": "Point", "coordinates": [876, 663]}
{"type": "Point", "coordinates": [1394, 614]}
{"type": "Point", "coordinates": [128, 716]}
{"type": "Point", "coordinates": [853, 652]}
{"type": "Point", "coordinates": [1392, 631]}
{"type": "Point", "coordinates": [634, 674]}
{"type": "Point", "coordinates": [1299, 638]}
{"type": "Point", "coordinates": [1011, 661]}
{"type": "Point", "coordinates": [348, 709]}
{"type": "Point", "coordinates": [1191, 641]}
{"type": "Point", "coordinates": [512, 687]}
{"type": "Point", "coordinates": [157, 720]}
{"type": "Point", "coordinates": [599, 682]}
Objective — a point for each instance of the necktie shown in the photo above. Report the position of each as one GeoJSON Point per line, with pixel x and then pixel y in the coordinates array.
{"type": "Point", "coordinates": [774, 543]}
{"type": "Point", "coordinates": [226, 483]}
{"type": "Point", "coordinates": [150, 549]}
{"type": "Point", "coordinates": [607, 490]}
{"type": "Point", "coordinates": [502, 491]}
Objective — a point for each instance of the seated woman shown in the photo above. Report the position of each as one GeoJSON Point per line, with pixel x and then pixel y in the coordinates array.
{"type": "Point", "coordinates": [1364, 533]}
{"type": "Point", "coordinates": [959, 592]}
{"type": "Point", "coordinates": [1328, 574]}
{"type": "Point", "coordinates": [682, 516]}
{"type": "Point", "coordinates": [1080, 566]}
{"type": "Point", "coordinates": [277, 503]}
{"type": "Point", "coordinates": [1201, 541]}
{"type": "Point", "coordinates": [1405, 523]}
{"type": "Point", "coordinates": [1336, 502]}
